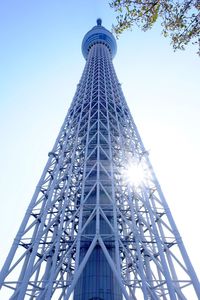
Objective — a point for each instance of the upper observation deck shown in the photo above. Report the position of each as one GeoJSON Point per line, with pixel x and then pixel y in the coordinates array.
{"type": "Point", "coordinates": [99, 35]}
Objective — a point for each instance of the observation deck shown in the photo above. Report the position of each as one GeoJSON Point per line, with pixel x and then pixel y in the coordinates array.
{"type": "Point", "coordinates": [99, 34]}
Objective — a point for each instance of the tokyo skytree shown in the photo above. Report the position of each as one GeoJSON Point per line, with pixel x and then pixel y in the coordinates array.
{"type": "Point", "coordinates": [98, 226]}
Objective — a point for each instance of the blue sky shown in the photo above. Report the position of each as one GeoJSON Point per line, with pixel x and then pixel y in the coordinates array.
{"type": "Point", "coordinates": [40, 66]}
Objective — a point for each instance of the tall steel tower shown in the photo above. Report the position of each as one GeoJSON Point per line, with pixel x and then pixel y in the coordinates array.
{"type": "Point", "coordinates": [98, 226]}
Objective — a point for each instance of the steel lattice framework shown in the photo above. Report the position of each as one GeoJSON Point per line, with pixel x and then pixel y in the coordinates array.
{"type": "Point", "coordinates": [89, 231]}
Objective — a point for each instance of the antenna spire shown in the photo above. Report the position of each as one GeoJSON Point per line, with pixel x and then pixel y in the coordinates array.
{"type": "Point", "coordinates": [99, 22]}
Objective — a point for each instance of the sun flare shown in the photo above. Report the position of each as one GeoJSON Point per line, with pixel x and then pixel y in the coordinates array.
{"type": "Point", "coordinates": [134, 174]}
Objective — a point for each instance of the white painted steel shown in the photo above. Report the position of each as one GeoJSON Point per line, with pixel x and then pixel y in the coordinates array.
{"type": "Point", "coordinates": [96, 144]}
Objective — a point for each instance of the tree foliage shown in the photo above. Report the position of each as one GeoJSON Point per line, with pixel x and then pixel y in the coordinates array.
{"type": "Point", "coordinates": [180, 20]}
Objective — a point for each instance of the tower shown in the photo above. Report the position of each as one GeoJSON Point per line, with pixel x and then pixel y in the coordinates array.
{"type": "Point", "coordinates": [98, 226]}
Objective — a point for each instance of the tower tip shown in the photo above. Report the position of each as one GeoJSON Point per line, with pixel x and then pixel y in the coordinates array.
{"type": "Point", "coordinates": [99, 22]}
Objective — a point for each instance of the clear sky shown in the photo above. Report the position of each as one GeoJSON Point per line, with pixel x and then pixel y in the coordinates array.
{"type": "Point", "coordinates": [40, 66]}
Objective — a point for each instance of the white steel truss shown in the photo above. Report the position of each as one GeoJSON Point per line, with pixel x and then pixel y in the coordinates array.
{"type": "Point", "coordinates": [84, 202]}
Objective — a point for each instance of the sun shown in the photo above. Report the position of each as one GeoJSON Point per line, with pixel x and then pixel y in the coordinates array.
{"type": "Point", "coordinates": [134, 174]}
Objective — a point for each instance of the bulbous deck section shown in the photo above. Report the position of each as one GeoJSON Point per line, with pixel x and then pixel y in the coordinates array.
{"type": "Point", "coordinates": [99, 34]}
